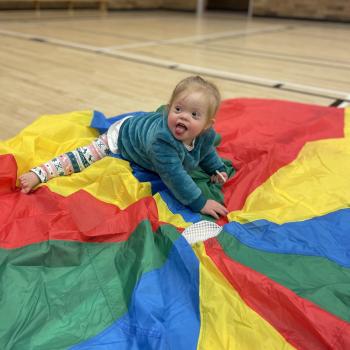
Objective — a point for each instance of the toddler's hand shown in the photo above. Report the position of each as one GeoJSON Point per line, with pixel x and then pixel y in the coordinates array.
{"type": "Point", "coordinates": [214, 209]}
{"type": "Point", "coordinates": [220, 177]}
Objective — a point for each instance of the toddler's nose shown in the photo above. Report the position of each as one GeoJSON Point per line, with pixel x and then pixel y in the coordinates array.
{"type": "Point", "coordinates": [184, 116]}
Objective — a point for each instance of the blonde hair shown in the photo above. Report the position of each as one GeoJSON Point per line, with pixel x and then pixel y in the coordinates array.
{"type": "Point", "coordinates": [197, 83]}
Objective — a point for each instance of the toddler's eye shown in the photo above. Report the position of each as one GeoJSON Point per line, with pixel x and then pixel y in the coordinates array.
{"type": "Point", "coordinates": [195, 115]}
{"type": "Point", "coordinates": [177, 109]}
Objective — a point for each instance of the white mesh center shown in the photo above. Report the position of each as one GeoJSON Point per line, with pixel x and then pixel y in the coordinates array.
{"type": "Point", "coordinates": [201, 231]}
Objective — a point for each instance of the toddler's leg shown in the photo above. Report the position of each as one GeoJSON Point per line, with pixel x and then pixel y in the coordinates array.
{"type": "Point", "coordinates": [65, 164]}
{"type": "Point", "coordinates": [28, 181]}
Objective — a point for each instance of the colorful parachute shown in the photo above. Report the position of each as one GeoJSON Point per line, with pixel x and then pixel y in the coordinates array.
{"type": "Point", "coordinates": [97, 260]}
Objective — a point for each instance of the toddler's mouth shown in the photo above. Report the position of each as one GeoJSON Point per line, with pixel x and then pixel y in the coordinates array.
{"type": "Point", "coordinates": [180, 128]}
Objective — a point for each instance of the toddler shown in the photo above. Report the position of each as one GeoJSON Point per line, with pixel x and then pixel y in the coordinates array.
{"type": "Point", "coordinates": [171, 141]}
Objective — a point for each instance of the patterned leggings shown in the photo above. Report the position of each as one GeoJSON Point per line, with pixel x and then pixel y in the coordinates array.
{"type": "Point", "coordinates": [73, 162]}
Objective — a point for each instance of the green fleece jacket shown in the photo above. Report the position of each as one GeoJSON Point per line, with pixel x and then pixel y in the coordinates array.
{"type": "Point", "coordinates": [147, 141]}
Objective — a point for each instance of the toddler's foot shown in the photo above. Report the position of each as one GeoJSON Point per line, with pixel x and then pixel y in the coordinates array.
{"type": "Point", "coordinates": [28, 181]}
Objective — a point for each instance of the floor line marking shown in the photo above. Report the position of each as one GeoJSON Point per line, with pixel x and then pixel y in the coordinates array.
{"type": "Point", "coordinates": [300, 88]}
{"type": "Point", "coordinates": [200, 38]}
{"type": "Point", "coordinates": [285, 58]}
{"type": "Point", "coordinates": [48, 40]}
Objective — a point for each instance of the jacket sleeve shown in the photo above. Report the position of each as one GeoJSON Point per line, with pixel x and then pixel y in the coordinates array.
{"type": "Point", "coordinates": [210, 161]}
{"type": "Point", "coordinates": [167, 163]}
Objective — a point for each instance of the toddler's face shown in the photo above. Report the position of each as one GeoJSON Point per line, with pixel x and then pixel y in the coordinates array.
{"type": "Point", "coordinates": [188, 117]}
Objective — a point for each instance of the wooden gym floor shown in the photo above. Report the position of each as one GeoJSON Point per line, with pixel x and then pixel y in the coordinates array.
{"type": "Point", "coordinates": [54, 62]}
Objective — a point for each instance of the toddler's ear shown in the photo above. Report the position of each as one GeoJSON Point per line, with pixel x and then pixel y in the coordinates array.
{"type": "Point", "coordinates": [210, 123]}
